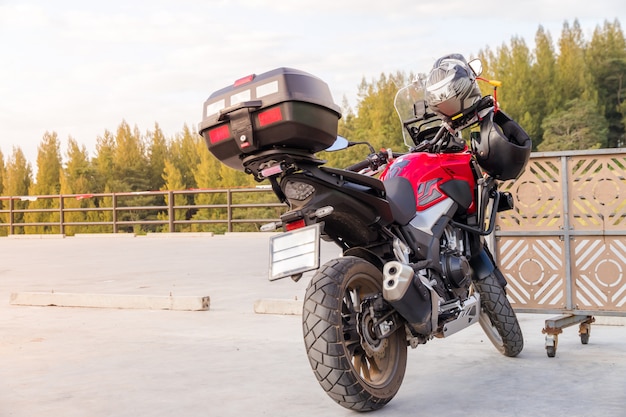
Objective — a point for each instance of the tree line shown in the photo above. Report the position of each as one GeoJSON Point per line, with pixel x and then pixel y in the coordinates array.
{"type": "Point", "coordinates": [125, 161]}
{"type": "Point", "coordinates": [568, 95]}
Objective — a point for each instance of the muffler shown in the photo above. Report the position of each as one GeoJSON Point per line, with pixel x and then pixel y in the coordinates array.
{"type": "Point", "coordinates": [411, 295]}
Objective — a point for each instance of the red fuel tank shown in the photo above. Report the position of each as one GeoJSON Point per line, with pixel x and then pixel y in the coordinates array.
{"type": "Point", "coordinates": [429, 172]}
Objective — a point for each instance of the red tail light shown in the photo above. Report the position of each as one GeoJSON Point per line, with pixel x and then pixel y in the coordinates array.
{"type": "Point", "coordinates": [295, 225]}
{"type": "Point", "coordinates": [219, 134]}
{"type": "Point", "coordinates": [270, 116]}
{"type": "Point", "coordinates": [244, 80]}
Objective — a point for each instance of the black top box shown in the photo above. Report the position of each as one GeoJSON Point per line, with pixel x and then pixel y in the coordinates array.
{"type": "Point", "coordinates": [282, 108]}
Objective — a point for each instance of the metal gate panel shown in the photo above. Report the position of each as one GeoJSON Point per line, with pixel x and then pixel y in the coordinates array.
{"type": "Point", "coordinates": [597, 193]}
{"type": "Point", "coordinates": [538, 198]}
{"type": "Point", "coordinates": [563, 247]}
{"type": "Point", "coordinates": [598, 268]}
{"type": "Point", "coordinates": [535, 270]}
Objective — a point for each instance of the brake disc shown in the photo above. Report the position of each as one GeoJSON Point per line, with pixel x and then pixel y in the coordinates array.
{"type": "Point", "coordinates": [373, 346]}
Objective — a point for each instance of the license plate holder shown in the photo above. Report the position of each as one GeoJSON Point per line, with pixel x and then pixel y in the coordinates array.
{"type": "Point", "coordinates": [294, 252]}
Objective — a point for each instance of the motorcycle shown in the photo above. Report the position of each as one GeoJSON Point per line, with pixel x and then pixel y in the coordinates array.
{"type": "Point", "coordinates": [411, 226]}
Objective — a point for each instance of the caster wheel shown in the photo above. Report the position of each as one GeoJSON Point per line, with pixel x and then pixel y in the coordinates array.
{"type": "Point", "coordinates": [584, 338]}
{"type": "Point", "coordinates": [585, 330]}
{"type": "Point", "coordinates": [552, 340]}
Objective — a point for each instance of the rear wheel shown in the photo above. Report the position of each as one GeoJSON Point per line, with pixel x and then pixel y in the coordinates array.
{"type": "Point", "coordinates": [497, 317]}
{"type": "Point", "coordinates": [356, 368]}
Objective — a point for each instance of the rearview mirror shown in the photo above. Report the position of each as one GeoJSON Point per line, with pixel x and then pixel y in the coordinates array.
{"type": "Point", "coordinates": [339, 144]}
{"type": "Point", "coordinates": [476, 65]}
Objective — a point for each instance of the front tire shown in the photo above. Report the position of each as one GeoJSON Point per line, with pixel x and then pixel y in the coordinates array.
{"type": "Point", "coordinates": [497, 317]}
{"type": "Point", "coordinates": [356, 369]}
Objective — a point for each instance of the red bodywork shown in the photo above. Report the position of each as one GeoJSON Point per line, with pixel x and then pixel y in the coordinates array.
{"type": "Point", "coordinates": [428, 171]}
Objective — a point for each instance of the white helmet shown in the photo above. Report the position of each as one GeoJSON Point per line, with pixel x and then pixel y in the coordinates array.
{"type": "Point", "coordinates": [451, 86]}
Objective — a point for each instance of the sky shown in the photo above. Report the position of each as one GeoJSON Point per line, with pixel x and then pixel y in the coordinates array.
{"type": "Point", "coordinates": [79, 68]}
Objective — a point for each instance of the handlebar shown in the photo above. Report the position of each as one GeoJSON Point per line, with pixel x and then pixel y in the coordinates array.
{"type": "Point", "coordinates": [374, 161]}
{"type": "Point", "coordinates": [358, 166]}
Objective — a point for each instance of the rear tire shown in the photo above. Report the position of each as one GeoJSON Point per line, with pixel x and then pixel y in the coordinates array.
{"type": "Point", "coordinates": [356, 369]}
{"type": "Point", "coordinates": [497, 317]}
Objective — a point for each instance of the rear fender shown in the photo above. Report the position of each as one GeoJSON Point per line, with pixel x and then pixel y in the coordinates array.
{"type": "Point", "coordinates": [367, 255]}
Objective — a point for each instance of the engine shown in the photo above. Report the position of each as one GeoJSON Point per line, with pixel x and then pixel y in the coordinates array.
{"type": "Point", "coordinates": [434, 301]}
{"type": "Point", "coordinates": [455, 267]}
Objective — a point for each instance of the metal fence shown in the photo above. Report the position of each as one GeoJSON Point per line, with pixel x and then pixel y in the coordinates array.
{"type": "Point", "coordinates": [151, 211]}
{"type": "Point", "coordinates": [563, 247]}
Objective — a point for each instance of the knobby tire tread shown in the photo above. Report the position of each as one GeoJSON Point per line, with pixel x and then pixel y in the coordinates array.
{"type": "Point", "coordinates": [321, 324]}
{"type": "Point", "coordinates": [495, 303]}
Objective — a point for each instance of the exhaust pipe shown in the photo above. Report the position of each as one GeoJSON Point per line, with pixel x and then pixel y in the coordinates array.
{"type": "Point", "coordinates": [411, 295]}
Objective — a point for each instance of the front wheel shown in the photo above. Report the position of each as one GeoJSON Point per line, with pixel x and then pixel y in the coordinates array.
{"type": "Point", "coordinates": [497, 317]}
{"type": "Point", "coordinates": [356, 368]}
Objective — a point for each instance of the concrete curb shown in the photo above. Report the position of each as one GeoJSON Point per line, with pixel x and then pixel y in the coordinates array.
{"type": "Point", "coordinates": [263, 235]}
{"type": "Point", "coordinates": [118, 301]}
{"type": "Point", "coordinates": [179, 234]}
{"type": "Point", "coordinates": [36, 236]}
{"type": "Point", "coordinates": [275, 306]}
{"type": "Point", "coordinates": [104, 235]}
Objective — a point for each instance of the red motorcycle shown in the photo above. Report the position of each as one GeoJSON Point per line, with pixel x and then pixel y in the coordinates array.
{"type": "Point", "coordinates": [414, 264]}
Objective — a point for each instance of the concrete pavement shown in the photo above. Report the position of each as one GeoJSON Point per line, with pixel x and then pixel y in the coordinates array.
{"type": "Point", "coordinates": [229, 361]}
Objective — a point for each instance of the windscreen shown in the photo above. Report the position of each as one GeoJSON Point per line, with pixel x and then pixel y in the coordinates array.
{"type": "Point", "coordinates": [411, 107]}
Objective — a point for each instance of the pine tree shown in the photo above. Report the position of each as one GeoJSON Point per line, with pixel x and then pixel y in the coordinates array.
{"type": "Point", "coordinates": [103, 168]}
{"type": "Point", "coordinates": [606, 59]}
{"type": "Point", "coordinates": [573, 78]}
{"type": "Point", "coordinates": [18, 174]}
{"type": "Point", "coordinates": [78, 180]}
{"type": "Point", "coordinates": [47, 183]}
{"type": "Point", "coordinates": [16, 182]}
{"type": "Point", "coordinates": [377, 121]}
{"type": "Point", "coordinates": [207, 176]}
{"type": "Point", "coordinates": [173, 181]}
{"type": "Point", "coordinates": [541, 90]}
{"type": "Point", "coordinates": [157, 154]}
{"type": "Point", "coordinates": [130, 165]}
{"type": "Point", "coordinates": [78, 172]}
{"type": "Point", "coordinates": [513, 66]}
{"type": "Point", "coordinates": [184, 154]}
{"type": "Point", "coordinates": [131, 175]}
{"type": "Point", "coordinates": [48, 166]}
{"type": "Point", "coordinates": [576, 127]}
{"type": "Point", "coordinates": [347, 121]}
{"type": "Point", "coordinates": [103, 161]}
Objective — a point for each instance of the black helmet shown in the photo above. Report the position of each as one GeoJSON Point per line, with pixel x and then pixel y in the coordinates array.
{"type": "Point", "coordinates": [502, 148]}
{"type": "Point", "coordinates": [451, 86]}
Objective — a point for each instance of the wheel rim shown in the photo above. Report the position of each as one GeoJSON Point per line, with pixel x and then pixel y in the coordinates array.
{"type": "Point", "coordinates": [373, 359]}
{"type": "Point", "coordinates": [490, 330]}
